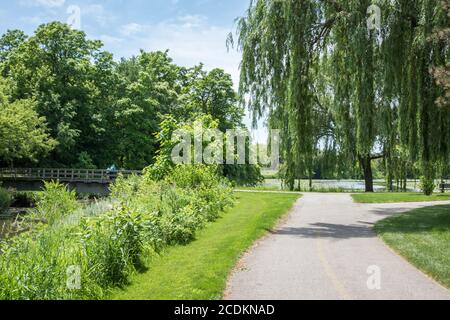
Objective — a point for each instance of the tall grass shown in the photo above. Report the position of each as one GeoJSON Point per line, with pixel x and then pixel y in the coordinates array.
{"type": "Point", "coordinates": [5, 199]}
{"type": "Point", "coordinates": [55, 203]}
{"type": "Point", "coordinates": [109, 240]}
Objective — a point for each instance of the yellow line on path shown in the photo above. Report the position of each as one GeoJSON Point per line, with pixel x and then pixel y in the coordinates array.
{"type": "Point", "coordinates": [329, 271]}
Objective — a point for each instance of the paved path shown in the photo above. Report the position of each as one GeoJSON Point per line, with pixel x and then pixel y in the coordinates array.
{"type": "Point", "coordinates": [324, 251]}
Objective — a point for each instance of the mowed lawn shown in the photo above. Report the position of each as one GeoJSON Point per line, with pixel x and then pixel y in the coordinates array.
{"type": "Point", "coordinates": [399, 197]}
{"type": "Point", "coordinates": [422, 236]}
{"type": "Point", "coordinates": [199, 270]}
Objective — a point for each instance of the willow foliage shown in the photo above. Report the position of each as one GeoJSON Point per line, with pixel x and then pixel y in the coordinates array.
{"type": "Point", "coordinates": [304, 60]}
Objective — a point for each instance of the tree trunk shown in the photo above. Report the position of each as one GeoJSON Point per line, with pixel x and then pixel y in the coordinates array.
{"type": "Point", "coordinates": [310, 181]}
{"type": "Point", "coordinates": [389, 178]}
{"type": "Point", "coordinates": [366, 164]}
{"type": "Point", "coordinates": [391, 185]}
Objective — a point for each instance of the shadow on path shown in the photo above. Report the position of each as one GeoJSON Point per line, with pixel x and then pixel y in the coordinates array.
{"type": "Point", "coordinates": [329, 230]}
{"type": "Point", "coordinates": [389, 211]}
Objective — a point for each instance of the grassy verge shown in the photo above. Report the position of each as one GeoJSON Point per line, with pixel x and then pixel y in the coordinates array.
{"type": "Point", "coordinates": [398, 197]}
{"type": "Point", "coordinates": [422, 236]}
{"type": "Point", "coordinates": [200, 269]}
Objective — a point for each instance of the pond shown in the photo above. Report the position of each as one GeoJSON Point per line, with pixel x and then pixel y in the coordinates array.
{"type": "Point", "coordinates": [345, 185]}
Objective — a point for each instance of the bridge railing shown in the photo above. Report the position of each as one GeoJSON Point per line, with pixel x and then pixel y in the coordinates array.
{"type": "Point", "coordinates": [63, 175]}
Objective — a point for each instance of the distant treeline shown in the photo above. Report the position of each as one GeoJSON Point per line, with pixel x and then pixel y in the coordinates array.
{"type": "Point", "coordinates": [65, 102]}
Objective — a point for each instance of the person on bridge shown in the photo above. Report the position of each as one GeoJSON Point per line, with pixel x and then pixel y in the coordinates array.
{"type": "Point", "coordinates": [112, 172]}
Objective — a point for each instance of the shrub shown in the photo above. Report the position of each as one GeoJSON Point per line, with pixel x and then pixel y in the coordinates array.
{"type": "Point", "coordinates": [5, 199]}
{"type": "Point", "coordinates": [194, 176]}
{"type": "Point", "coordinates": [145, 197]}
{"type": "Point", "coordinates": [177, 207]}
{"type": "Point", "coordinates": [107, 241]}
{"type": "Point", "coordinates": [212, 192]}
{"type": "Point", "coordinates": [114, 243]}
{"type": "Point", "coordinates": [179, 227]}
{"type": "Point", "coordinates": [55, 202]}
{"type": "Point", "coordinates": [244, 175]}
{"type": "Point", "coordinates": [126, 190]}
{"type": "Point", "coordinates": [34, 267]}
{"type": "Point", "coordinates": [427, 185]}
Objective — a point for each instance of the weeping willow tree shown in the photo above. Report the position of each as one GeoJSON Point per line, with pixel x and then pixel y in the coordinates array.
{"type": "Point", "coordinates": [355, 51]}
{"type": "Point", "coordinates": [280, 42]}
{"type": "Point", "coordinates": [384, 95]}
{"type": "Point", "coordinates": [412, 48]}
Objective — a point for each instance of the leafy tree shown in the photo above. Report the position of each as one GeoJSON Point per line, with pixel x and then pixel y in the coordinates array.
{"type": "Point", "coordinates": [280, 43]}
{"type": "Point", "coordinates": [8, 42]}
{"type": "Point", "coordinates": [384, 95]}
{"type": "Point", "coordinates": [246, 174]}
{"type": "Point", "coordinates": [211, 93]}
{"type": "Point", "coordinates": [65, 74]}
{"type": "Point", "coordinates": [152, 88]}
{"type": "Point", "coordinates": [156, 87]}
{"type": "Point", "coordinates": [23, 134]}
{"type": "Point", "coordinates": [441, 73]}
{"type": "Point", "coordinates": [101, 112]}
{"type": "Point", "coordinates": [411, 52]}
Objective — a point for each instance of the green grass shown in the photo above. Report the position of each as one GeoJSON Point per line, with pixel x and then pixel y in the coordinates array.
{"type": "Point", "coordinates": [398, 197]}
{"type": "Point", "coordinates": [199, 270]}
{"type": "Point", "coordinates": [422, 236]}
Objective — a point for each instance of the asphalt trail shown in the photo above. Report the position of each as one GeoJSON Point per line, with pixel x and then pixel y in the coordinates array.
{"type": "Point", "coordinates": [327, 250]}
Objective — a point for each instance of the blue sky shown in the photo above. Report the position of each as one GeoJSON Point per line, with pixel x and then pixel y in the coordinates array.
{"type": "Point", "coordinates": [194, 31]}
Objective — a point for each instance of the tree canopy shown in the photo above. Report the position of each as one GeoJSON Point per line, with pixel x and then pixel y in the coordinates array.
{"type": "Point", "coordinates": [78, 107]}
{"type": "Point", "coordinates": [23, 133]}
{"type": "Point", "coordinates": [332, 83]}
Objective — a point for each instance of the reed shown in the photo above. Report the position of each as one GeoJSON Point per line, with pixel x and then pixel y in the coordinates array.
{"type": "Point", "coordinates": [108, 240]}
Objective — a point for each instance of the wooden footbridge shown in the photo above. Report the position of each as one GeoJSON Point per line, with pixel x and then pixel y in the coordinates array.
{"type": "Point", "coordinates": [82, 180]}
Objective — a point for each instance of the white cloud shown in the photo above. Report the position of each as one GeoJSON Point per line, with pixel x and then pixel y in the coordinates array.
{"type": "Point", "coordinates": [98, 13]}
{"type": "Point", "coordinates": [43, 3]}
{"type": "Point", "coordinates": [190, 21]}
{"type": "Point", "coordinates": [131, 29]}
{"type": "Point", "coordinates": [110, 40]}
{"type": "Point", "coordinates": [190, 40]}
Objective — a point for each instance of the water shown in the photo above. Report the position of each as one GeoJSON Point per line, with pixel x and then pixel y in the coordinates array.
{"type": "Point", "coordinates": [346, 185]}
